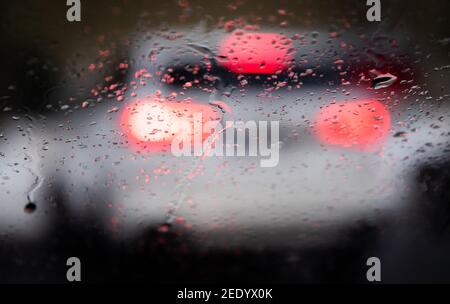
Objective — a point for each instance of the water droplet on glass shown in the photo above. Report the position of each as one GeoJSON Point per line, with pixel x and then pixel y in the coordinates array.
{"type": "Point", "coordinates": [380, 80]}
{"type": "Point", "coordinates": [30, 207]}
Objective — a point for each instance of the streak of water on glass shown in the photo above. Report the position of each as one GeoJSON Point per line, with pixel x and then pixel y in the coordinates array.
{"type": "Point", "coordinates": [33, 169]}
{"type": "Point", "coordinates": [216, 94]}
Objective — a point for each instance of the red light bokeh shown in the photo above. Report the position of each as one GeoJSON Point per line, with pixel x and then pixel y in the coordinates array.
{"type": "Point", "coordinates": [362, 125]}
{"type": "Point", "coordinates": [151, 124]}
{"type": "Point", "coordinates": [255, 53]}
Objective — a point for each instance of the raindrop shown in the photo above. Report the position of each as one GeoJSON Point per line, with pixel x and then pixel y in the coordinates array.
{"type": "Point", "coordinates": [401, 134]}
{"type": "Point", "coordinates": [380, 80]}
{"type": "Point", "coordinates": [164, 228]}
{"type": "Point", "coordinates": [30, 208]}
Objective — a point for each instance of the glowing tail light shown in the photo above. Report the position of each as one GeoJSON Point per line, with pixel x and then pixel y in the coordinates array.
{"type": "Point", "coordinates": [151, 124]}
{"type": "Point", "coordinates": [255, 53]}
{"type": "Point", "coordinates": [361, 124]}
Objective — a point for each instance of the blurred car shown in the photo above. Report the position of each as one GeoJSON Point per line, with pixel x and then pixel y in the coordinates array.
{"type": "Point", "coordinates": [362, 110]}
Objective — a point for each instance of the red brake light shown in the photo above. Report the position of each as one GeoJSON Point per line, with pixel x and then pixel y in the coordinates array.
{"type": "Point", "coordinates": [152, 124]}
{"type": "Point", "coordinates": [361, 124]}
{"type": "Point", "coordinates": [255, 53]}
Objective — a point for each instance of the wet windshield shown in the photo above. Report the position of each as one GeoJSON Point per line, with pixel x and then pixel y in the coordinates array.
{"type": "Point", "coordinates": [253, 138]}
